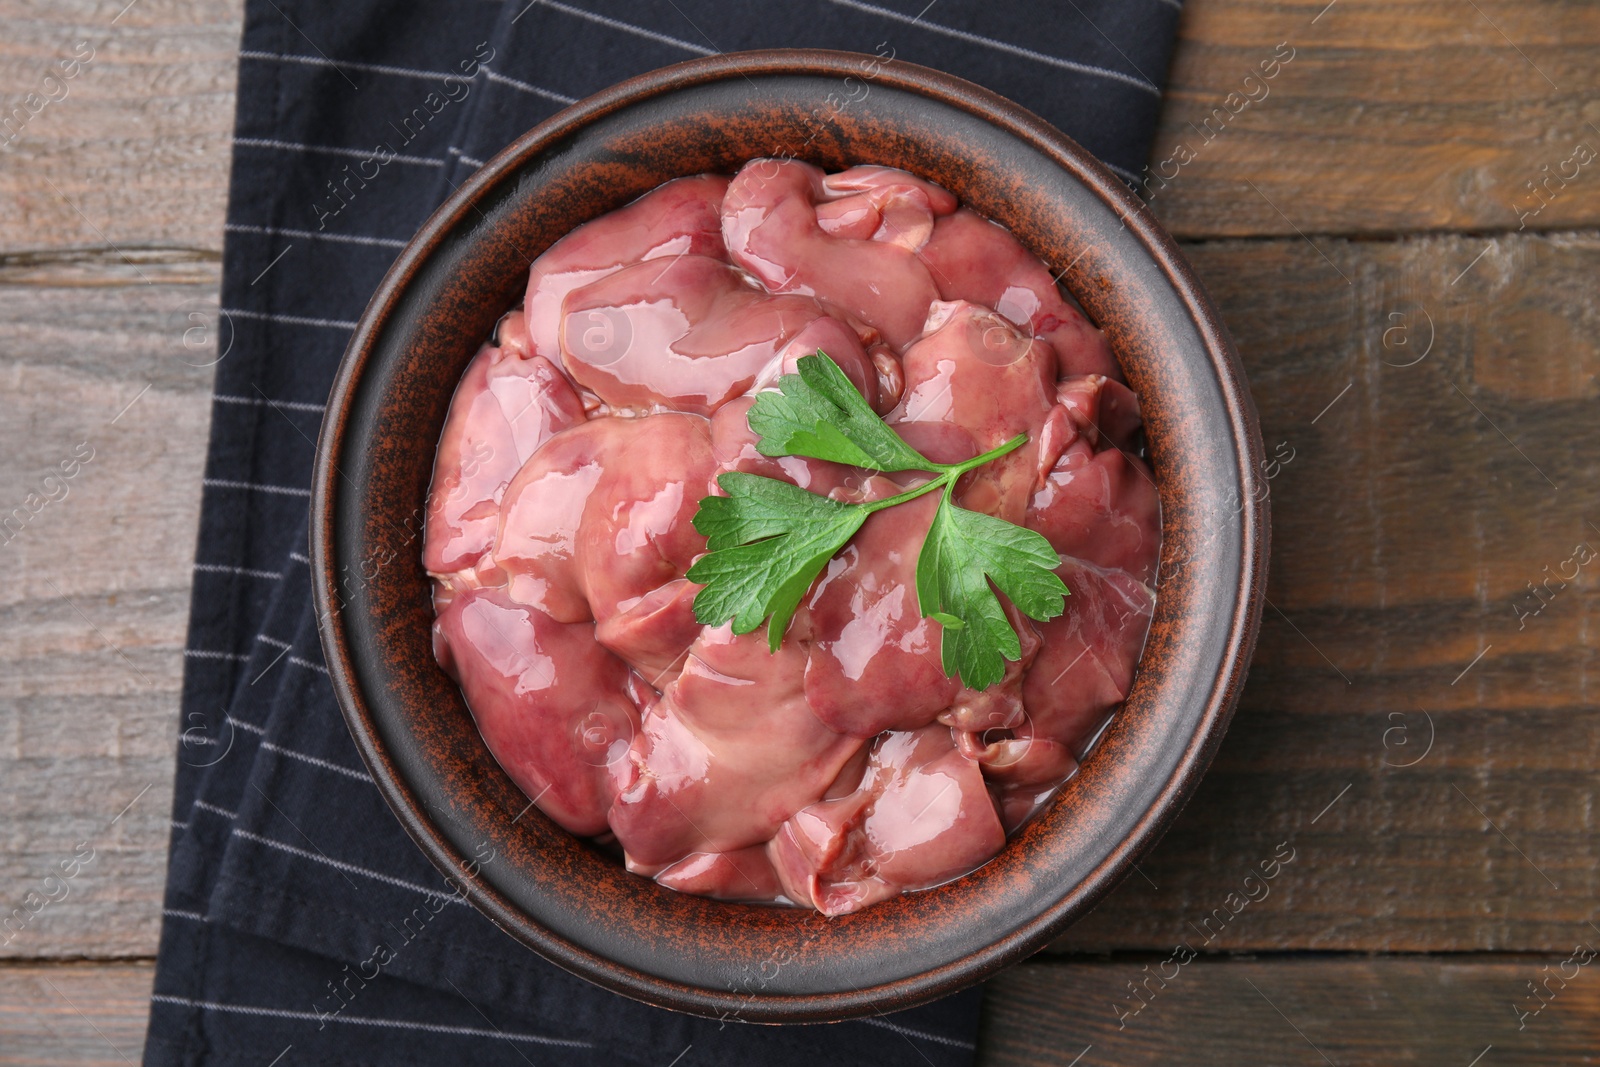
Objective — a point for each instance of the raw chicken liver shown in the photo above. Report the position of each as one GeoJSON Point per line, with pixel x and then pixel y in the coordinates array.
{"type": "Point", "coordinates": [845, 767]}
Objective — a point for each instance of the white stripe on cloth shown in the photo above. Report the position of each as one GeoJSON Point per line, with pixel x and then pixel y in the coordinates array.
{"type": "Point", "coordinates": [279, 750]}
{"type": "Point", "coordinates": [628, 27]}
{"type": "Point", "coordinates": [315, 235]}
{"type": "Point", "coordinates": [206, 653]}
{"type": "Point", "coordinates": [213, 809]}
{"type": "Point", "coordinates": [293, 320]}
{"type": "Point", "coordinates": [315, 761]}
{"type": "Point", "coordinates": [223, 568]}
{"type": "Point", "coordinates": [548, 94]}
{"type": "Point", "coordinates": [906, 1031]}
{"type": "Point", "coordinates": [376, 68]}
{"type": "Point", "coordinates": [1002, 46]}
{"type": "Point", "coordinates": [353, 153]}
{"type": "Point", "coordinates": [362, 1020]}
{"type": "Point", "coordinates": [261, 401]}
{"type": "Point", "coordinates": [349, 868]}
{"type": "Point", "coordinates": [281, 490]}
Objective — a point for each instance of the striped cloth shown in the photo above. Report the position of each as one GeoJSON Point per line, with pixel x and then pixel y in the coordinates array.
{"type": "Point", "coordinates": [301, 924]}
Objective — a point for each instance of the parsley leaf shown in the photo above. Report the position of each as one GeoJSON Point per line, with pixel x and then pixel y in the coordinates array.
{"type": "Point", "coordinates": [820, 414]}
{"type": "Point", "coordinates": [964, 552]}
{"type": "Point", "coordinates": [768, 539]}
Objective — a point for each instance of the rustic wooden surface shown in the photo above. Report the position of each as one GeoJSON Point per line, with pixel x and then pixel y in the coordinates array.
{"type": "Point", "coordinates": [74, 1013]}
{"type": "Point", "coordinates": [1392, 117]}
{"type": "Point", "coordinates": [1431, 367]}
{"type": "Point", "coordinates": [1345, 1011]}
{"type": "Point", "coordinates": [1406, 529]}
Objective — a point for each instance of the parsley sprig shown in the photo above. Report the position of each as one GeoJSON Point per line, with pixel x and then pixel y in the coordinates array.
{"type": "Point", "coordinates": [769, 539]}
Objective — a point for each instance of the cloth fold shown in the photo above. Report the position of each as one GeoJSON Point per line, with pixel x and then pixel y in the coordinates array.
{"type": "Point", "coordinates": [300, 922]}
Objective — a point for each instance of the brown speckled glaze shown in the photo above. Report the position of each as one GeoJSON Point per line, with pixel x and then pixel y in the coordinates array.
{"type": "Point", "coordinates": [469, 263]}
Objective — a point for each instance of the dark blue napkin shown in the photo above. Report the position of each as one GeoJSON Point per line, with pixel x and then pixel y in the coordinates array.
{"type": "Point", "coordinates": [301, 924]}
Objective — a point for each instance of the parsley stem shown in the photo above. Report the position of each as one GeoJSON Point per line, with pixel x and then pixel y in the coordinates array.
{"type": "Point", "coordinates": [946, 480]}
{"type": "Point", "coordinates": [994, 453]}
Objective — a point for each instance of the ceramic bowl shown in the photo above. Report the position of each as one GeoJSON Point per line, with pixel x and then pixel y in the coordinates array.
{"type": "Point", "coordinates": [469, 263]}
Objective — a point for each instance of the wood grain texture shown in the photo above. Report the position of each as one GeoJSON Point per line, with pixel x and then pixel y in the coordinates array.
{"type": "Point", "coordinates": [133, 150]}
{"type": "Point", "coordinates": [77, 1014]}
{"type": "Point", "coordinates": [1290, 1011]}
{"type": "Point", "coordinates": [1406, 528]}
{"type": "Point", "coordinates": [1393, 116]}
{"type": "Point", "coordinates": [93, 612]}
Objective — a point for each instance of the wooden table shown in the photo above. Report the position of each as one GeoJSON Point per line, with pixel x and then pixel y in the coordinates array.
{"type": "Point", "coordinates": [1419, 324]}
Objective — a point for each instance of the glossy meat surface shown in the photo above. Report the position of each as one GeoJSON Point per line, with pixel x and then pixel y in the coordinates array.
{"type": "Point", "coordinates": [1096, 502]}
{"type": "Point", "coordinates": [971, 258]}
{"type": "Point", "coordinates": [682, 217]}
{"type": "Point", "coordinates": [687, 335]}
{"type": "Point", "coordinates": [729, 752]}
{"type": "Point", "coordinates": [601, 515]}
{"type": "Point", "coordinates": [866, 267]}
{"type": "Point", "coordinates": [921, 815]}
{"type": "Point", "coordinates": [552, 705]}
{"type": "Point", "coordinates": [845, 767]}
{"type": "Point", "coordinates": [874, 662]}
{"type": "Point", "coordinates": [973, 372]}
{"type": "Point", "coordinates": [508, 404]}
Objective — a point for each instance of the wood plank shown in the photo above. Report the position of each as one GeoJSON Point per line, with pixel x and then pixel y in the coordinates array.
{"type": "Point", "coordinates": [1392, 116]}
{"type": "Point", "coordinates": [79, 1014]}
{"type": "Point", "coordinates": [135, 153]}
{"type": "Point", "coordinates": [1399, 1010]}
{"type": "Point", "coordinates": [101, 267]}
{"type": "Point", "coordinates": [92, 619]}
{"type": "Point", "coordinates": [1406, 529]}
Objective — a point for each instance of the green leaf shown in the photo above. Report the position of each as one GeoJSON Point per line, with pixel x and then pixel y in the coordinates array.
{"type": "Point", "coordinates": [819, 413]}
{"type": "Point", "coordinates": [757, 507]}
{"type": "Point", "coordinates": [963, 553]}
{"type": "Point", "coordinates": [769, 540]}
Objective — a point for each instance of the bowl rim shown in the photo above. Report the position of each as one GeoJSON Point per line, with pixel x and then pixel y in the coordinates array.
{"type": "Point", "coordinates": [1241, 627]}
